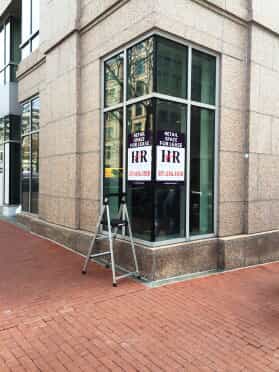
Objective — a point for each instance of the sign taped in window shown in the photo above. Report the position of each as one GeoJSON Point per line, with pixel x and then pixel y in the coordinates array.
{"type": "Point", "coordinates": [139, 156]}
{"type": "Point", "coordinates": [170, 155]}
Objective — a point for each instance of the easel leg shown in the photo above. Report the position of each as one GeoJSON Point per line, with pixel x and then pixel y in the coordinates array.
{"type": "Point", "coordinates": [84, 270]}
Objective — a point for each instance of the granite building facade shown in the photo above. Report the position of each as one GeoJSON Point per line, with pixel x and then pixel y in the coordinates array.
{"type": "Point", "coordinates": [195, 83]}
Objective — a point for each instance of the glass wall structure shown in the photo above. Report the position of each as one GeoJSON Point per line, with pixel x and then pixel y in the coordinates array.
{"type": "Point", "coordinates": [159, 138]}
{"type": "Point", "coordinates": [30, 26]}
{"type": "Point", "coordinates": [30, 124]}
{"type": "Point", "coordinates": [10, 159]}
{"type": "Point", "coordinates": [9, 50]}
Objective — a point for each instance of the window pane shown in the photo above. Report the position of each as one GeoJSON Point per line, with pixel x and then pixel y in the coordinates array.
{"type": "Point", "coordinates": [35, 43]}
{"type": "Point", "coordinates": [140, 194]}
{"type": "Point", "coordinates": [25, 51]}
{"type": "Point", "coordinates": [7, 126]}
{"type": "Point", "coordinates": [26, 172]}
{"type": "Point", "coordinates": [26, 20]}
{"type": "Point", "coordinates": [202, 172]}
{"type": "Point", "coordinates": [172, 66]}
{"type": "Point", "coordinates": [114, 81]}
{"type": "Point", "coordinates": [35, 15]}
{"type": "Point", "coordinates": [140, 69]}
{"type": "Point", "coordinates": [113, 138]}
{"type": "Point", "coordinates": [26, 119]}
{"type": "Point", "coordinates": [2, 78]}
{"type": "Point", "coordinates": [2, 49]}
{"type": "Point", "coordinates": [140, 201]}
{"type": "Point", "coordinates": [1, 131]}
{"type": "Point", "coordinates": [35, 173]}
{"type": "Point", "coordinates": [170, 196]}
{"type": "Point", "coordinates": [35, 114]}
{"type": "Point", "coordinates": [15, 40]}
{"type": "Point", "coordinates": [203, 78]}
{"type": "Point", "coordinates": [7, 43]}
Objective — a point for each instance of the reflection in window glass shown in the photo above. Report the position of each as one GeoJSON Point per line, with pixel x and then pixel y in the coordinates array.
{"type": "Point", "coordinates": [2, 48]}
{"type": "Point", "coordinates": [203, 78]}
{"type": "Point", "coordinates": [7, 125]}
{"type": "Point", "coordinates": [26, 172]}
{"type": "Point", "coordinates": [202, 171]}
{"type": "Point", "coordinates": [156, 138]}
{"type": "Point", "coordinates": [140, 194]}
{"type": "Point", "coordinates": [35, 173]}
{"type": "Point", "coordinates": [30, 162]}
{"type": "Point", "coordinates": [113, 133]}
{"type": "Point", "coordinates": [25, 51]}
{"type": "Point", "coordinates": [172, 66]}
{"type": "Point", "coordinates": [35, 114]}
{"type": "Point", "coordinates": [25, 20]}
{"type": "Point", "coordinates": [35, 15]}
{"type": "Point", "coordinates": [25, 119]}
{"type": "Point", "coordinates": [35, 42]}
{"type": "Point", "coordinates": [140, 69]}
{"type": "Point", "coordinates": [114, 81]}
{"type": "Point", "coordinates": [30, 26]}
{"type": "Point", "coordinates": [170, 212]}
{"type": "Point", "coordinates": [7, 43]}
{"type": "Point", "coordinates": [1, 131]}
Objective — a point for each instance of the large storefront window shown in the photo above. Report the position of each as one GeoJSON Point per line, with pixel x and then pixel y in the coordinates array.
{"type": "Point", "coordinates": [30, 26]}
{"type": "Point", "coordinates": [10, 160]}
{"type": "Point", "coordinates": [9, 52]}
{"type": "Point", "coordinates": [30, 155]}
{"type": "Point", "coordinates": [159, 138]}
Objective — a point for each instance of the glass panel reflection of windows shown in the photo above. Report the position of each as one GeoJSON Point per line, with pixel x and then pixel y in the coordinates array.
{"type": "Point", "coordinates": [26, 119]}
{"type": "Point", "coordinates": [35, 173]}
{"type": "Point", "coordinates": [26, 172]}
{"type": "Point", "coordinates": [157, 65]}
{"type": "Point", "coordinates": [113, 158]}
{"type": "Point", "coordinates": [140, 68]}
{"type": "Point", "coordinates": [203, 77]}
{"type": "Point", "coordinates": [172, 66]}
{"type": "Point", "coordinates": [140, 194]}
{"type": "Point", "coordinates": [202, 171]}
{"type": "Point", "coordinates": [114, 81]}
{"type": "Point", "coordinates": [25, 20]}
{"type": "Point", "coordinates": [35, 114]}
{"type": "Point", "coordinates": [30, 26]}
{"type": "Point", "coordinates": [2, 48]}
{"type": "Point", "coordinates": [35, 15]}
{"type": "Point", "coordinates": [170, 200]}
{"type": "Point", "coordinates": [30, 124]}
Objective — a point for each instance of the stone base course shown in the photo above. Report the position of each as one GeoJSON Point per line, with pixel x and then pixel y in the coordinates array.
{"type": "Point", "coordinates": [173, 260]}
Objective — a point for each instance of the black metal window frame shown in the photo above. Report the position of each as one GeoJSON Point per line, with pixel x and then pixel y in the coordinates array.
{"type": "Point", "coordinates": [154, 96]}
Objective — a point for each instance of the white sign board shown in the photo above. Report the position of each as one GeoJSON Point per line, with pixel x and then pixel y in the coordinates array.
{"type": "Point", "coordinates": [139, 157]}
{"type": "Point", "coordinates": [170, 156]}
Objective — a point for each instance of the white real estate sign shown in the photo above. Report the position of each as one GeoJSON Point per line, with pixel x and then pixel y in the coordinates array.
{"type": "Point", "coordinates": [170, 156]}
{"type": "Point", "coordinates": [139, 157]}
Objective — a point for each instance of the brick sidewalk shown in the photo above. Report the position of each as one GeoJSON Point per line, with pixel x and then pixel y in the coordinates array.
{"type": "Point", "coordinates": [54, 319]}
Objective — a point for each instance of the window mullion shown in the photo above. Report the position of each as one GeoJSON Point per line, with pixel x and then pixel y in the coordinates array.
{"type": "Point", "coordinates": [188, 142]}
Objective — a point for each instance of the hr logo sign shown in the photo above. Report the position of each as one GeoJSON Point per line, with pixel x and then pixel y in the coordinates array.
{"type": "Point", "coordinates": [170, 156]}
{"type": "Point", "coordinates": [139, 156]}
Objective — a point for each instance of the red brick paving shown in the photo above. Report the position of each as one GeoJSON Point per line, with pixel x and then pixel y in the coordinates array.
{"type": "Point", "coordinates": [54, 319]}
